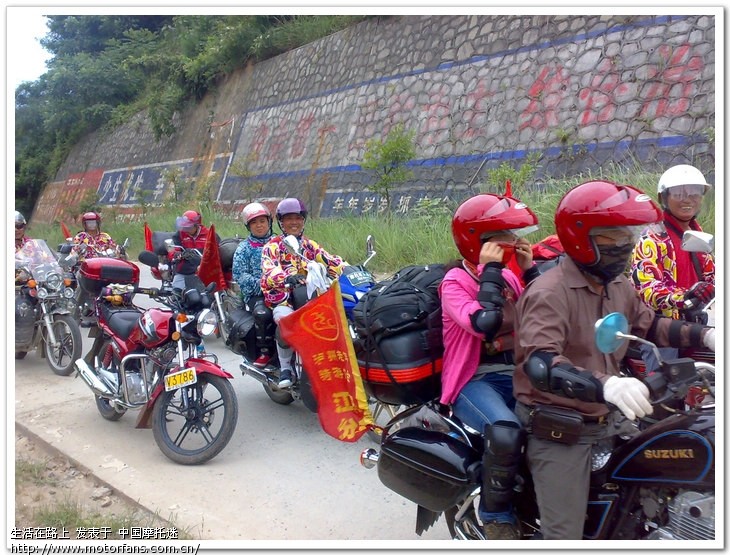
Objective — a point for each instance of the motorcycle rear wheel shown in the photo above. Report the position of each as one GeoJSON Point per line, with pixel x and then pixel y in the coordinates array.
{"type": "Point", "coordinates": [67, 350]}
{"type": "Point", "coordinates": [195, 434]}
{"type": "Point", "coordinates": [280, 397]}
{"type": "Point", "coordinates": [107, 411]}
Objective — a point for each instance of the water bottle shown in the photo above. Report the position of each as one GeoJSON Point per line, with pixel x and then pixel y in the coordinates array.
{"type": "Point", "coordinates": [200, 350]}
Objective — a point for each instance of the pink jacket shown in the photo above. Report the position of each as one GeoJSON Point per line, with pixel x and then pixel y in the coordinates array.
{"type": "Point", "coordinates": [462, 345]}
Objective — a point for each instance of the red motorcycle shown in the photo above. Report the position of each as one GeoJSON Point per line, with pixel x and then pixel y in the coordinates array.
{"type": "Point", "coordinates": [151, 359]}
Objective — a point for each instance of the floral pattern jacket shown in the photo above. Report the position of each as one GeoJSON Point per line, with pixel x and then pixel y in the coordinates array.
{"type": "Point", "coordinates": [277, 264]}
{"type": "Point", "coordinates": [87, 245]}
{"type": "Point", "coordinates": [654, 270]}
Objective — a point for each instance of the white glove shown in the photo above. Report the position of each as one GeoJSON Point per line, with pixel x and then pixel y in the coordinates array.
{"type": "Point", "coordinates": [709, 339]}
{"type": "Point", "coordinates": [630, 395]}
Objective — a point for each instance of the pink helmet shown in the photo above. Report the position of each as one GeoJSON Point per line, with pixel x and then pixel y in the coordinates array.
{"type": "Point", "coordinates": [254, 210]}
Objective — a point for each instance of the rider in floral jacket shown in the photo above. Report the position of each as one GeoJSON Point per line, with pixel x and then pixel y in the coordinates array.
{"type": "Point", "coordinates": [89, 242]}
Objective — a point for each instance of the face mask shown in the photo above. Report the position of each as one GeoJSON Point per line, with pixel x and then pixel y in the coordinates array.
{"type": "Point", "coordinates": [91, 225]}
{"type": "Point", "coordinates": [508, 251]}
{"type": "Point", "coordinates": [612, 261]}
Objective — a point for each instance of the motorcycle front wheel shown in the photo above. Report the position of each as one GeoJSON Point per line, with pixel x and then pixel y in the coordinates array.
{"type": "Point", "coordinates": [193, 424]}
{"type": "Point", "coordinates": [67, 349]}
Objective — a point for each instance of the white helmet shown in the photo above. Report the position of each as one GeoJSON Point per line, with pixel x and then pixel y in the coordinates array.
{"type": "Point", "coordinates": [19, 218]}
{"type": "Point", "coordinates": [683, 174]}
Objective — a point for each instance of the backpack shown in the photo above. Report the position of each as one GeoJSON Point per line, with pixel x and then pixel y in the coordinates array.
{"type": "Point", "coordinates": [399, 344]}
{"type": "Point", "coordinates": [548, 253]}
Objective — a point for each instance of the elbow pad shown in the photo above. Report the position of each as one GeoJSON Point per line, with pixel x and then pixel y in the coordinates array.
{"type": "Point", "coordinates": [563, 379]}
{"type": "Point", "coordinates": [491, 285]}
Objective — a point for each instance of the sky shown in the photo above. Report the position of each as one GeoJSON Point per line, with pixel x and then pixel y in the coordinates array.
{"type": "Point", "coordinates": [25, 56]}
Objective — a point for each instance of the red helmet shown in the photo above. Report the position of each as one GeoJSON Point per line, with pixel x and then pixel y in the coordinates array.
{"type": "Point", "coordinates": [89, 216]}
{"type": "Point", "coordinates": [193, 217]}
{"type": "Point", "coordinates": [483, 215]}
{"type": "Point", "coordinates": [599, 204]}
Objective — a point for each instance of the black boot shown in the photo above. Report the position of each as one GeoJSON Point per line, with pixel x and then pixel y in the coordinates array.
{"type": "Point", "coordinates": [503, 447]}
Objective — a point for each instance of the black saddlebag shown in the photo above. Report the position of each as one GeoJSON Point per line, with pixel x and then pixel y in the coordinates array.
{"type": "Point", "coordinates": [242, 335]}
{"type": "Point", "coordinates": [430, 468]}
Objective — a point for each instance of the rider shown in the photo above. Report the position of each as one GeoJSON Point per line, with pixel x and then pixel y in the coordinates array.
{"type": "Point", "coordinates": [191, 234]}
{"type": "Point", "coordinates": [478, 296]}
{"type": "Point", "coordinates": [20, 225]}
{"type": "Point", "coordinates": [247, 273]}
{"type": "Point", "coordinates": [92, 240]}
{"type": "Point", "coordinates": [558, 365]}
{"type": "Point", "coordinates": [283, 271]}
{"type": "Point", "coordinates": [665, 275]}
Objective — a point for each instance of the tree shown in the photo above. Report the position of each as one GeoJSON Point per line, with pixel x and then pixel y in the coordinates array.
{"type": "Point", "coordinates": [387, 159]}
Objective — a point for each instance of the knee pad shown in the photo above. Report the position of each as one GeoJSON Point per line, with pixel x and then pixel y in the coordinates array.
{"type": "Point", "coordinates": [504, 439]}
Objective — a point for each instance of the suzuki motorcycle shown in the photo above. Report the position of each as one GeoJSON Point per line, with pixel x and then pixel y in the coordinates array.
{"type": "Point", "coordinates": [43, 306]}
{"type": "Point", "coordinates": [150, 359]}
{"type": "Point", "coordinates": [354, 281]}
{"type": "Point", "coordinates": [657, 483]}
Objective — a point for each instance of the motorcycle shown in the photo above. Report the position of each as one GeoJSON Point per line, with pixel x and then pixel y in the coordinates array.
{"type": "Point", "coordinates": [43, 306]}
{"type": "Point", "coordinates": [354, 282]}
{"type": "Point", "coordinates": [150, 359]}
{"type": "Point", "coordinates": [656, 483]}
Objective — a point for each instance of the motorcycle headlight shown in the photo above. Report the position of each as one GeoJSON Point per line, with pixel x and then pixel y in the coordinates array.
{"type": "Point", "coordinates": [42, 292]}
{"type": "Point", "coordinates": [207, 322]}
{"type": "Point", "coordinates": [54, 281]}
{"type": "Point", "coordinates": [68, 293]}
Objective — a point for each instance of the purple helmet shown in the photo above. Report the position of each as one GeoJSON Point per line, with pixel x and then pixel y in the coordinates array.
{"type": "Point", "coordinates": [290, 206]}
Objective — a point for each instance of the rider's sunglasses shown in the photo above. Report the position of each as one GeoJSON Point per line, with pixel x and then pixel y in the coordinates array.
{"type": "Point", "coordinates": [19, 226]}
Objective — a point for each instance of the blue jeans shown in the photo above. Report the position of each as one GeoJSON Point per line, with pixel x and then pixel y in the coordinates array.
{"type": "Point", "coordinates": [486, 400]}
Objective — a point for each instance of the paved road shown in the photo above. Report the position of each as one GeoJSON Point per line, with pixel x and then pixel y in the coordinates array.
{"type": "Point", "coordinates": [280, 477]}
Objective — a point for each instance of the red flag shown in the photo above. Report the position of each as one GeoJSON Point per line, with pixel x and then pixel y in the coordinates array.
{"type": "Point", "coordinates": [148, 238]}
{"type": "Point", "coordinates": [319, 334]}
{"type": "Point", "coordinates": [65, 230]}
{"type": "Point", "coordinates": [210, 269]}
{"type": "Point", "coordinates": [508, 188]}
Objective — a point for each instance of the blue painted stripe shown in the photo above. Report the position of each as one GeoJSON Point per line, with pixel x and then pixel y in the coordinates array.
{"type": "Point", "coordinates": [662, 142]}
{"type": "Point", "coordinates": [477, 59]}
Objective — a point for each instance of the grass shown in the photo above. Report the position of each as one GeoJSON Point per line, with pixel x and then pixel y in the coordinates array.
{"type": "Point", "coordinates": [70, 514]}
{"type": "Point", "coordinates": [399, 240]}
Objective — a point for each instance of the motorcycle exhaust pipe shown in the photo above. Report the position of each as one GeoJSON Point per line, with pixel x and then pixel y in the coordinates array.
{"type": "Point", "coordinates": [91, 379]}
{"type": "Point", "coordinates": [256, 373]}
{"type": "Point", "coordinates": [369, 458]}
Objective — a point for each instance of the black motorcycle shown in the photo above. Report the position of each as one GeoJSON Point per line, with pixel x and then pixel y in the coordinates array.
{"type": "Point", "coordinates": [657, 483]}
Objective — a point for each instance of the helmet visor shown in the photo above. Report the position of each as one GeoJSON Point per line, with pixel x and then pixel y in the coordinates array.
{"type": "Point", "coordinates": [619, 236]}
{"type": "Point", "coordinates": [682, 192]}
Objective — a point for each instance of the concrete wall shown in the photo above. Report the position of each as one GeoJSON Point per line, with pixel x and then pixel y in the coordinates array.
{"type": "Point", "coordinates": [581, 92]}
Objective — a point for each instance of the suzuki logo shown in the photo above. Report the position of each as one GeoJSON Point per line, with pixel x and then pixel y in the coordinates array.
{"type": "Point", "coordinates": [669, 454]}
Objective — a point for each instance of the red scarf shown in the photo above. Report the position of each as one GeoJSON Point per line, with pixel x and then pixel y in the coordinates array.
{"type": "Point", "coordinates": [686, 274]}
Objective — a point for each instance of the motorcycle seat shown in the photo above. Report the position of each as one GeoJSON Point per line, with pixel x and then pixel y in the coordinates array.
{"type": "Point", "coordinates": [122, 322]}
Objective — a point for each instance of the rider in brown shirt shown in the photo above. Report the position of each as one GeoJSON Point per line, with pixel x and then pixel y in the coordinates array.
{"type": "Point", "coordinates": [558, 363]}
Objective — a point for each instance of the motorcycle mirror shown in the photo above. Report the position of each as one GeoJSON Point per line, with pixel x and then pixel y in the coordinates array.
{"type": "Point", "coordinates": [148, 259]}
{"type": "Point", "coordinates": [126, 243]}
{"type": "Point", "coordinates": [611, 332]}
{"type": "Point", "coordinates": [291, 244]}
{"type": "Point", "coordinates": [698, 241]}
{"type": "Point", "coordinates": [169, 245]}
{"type": "Point", "coordinates": [370, 249]}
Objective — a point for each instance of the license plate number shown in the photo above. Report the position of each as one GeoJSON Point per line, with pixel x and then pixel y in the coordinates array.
{"type": "Point", "coordinates": [181, 378]}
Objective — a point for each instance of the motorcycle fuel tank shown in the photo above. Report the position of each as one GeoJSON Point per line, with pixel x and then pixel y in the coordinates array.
{"type": "Point", "coordinates": [680, 449]}
{"type": "Point", "coordinates": [153, 328]}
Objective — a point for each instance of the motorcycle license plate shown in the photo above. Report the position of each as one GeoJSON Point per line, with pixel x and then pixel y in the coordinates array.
{"type": "Point", "coordinates": [179, 379]}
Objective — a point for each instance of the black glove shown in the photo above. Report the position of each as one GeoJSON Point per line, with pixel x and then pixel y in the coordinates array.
{"type": "Point", "coordinates": [700, 293]}
{"type": "Point", "coordinates": [295, 279]}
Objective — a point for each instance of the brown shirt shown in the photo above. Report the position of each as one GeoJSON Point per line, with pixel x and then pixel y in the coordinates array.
{"type": "Point", "coordinates": [557, 314]}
